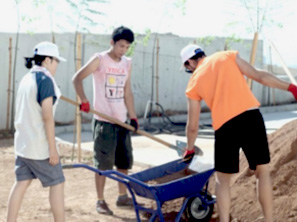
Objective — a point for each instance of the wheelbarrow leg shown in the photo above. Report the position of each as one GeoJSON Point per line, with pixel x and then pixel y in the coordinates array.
{"type": "Point", "coordinates": [157, 212]}
{"type": "Point", "coordinates": [159, 209]}
{"type": "Point", "coordinates": [153, 217]}
{"type": "Point", "coordinates": [134, 202]}
{"type": "Point", "coordinates": [180, 213]}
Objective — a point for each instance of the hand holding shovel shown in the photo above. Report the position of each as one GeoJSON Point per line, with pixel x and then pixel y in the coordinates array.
{"type": "Point", "coordinates": [180, 146]}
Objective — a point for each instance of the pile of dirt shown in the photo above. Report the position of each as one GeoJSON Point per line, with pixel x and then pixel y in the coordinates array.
{"type": "Point", "coordinates": [283, 166]}
{"type": "Point", "coordinates": [245, 206]}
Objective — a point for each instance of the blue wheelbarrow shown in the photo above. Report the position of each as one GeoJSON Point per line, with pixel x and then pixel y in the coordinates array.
{"type": "Point", "coordinates": [198, 203]}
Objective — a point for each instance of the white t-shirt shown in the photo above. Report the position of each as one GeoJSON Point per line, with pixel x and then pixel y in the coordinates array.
{"type": "Point", "coordinates": [30, 139]}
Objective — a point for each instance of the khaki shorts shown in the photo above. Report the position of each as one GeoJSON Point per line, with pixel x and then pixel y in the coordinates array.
{"type": "Point", "coordinates": [112, 146]}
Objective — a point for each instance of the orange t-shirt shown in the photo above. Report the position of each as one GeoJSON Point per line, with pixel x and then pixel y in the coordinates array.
{"type": "Point", "coordinates": [218, 81]}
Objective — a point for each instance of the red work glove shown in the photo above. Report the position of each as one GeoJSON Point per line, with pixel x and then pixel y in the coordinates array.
{"type": "Point", "coordinates": [85, 107]}
{"type": "Point", "coordinates": [134, 123]}
{"type": "Point", "coordinates": [188, 155]}
{"type": "Point", "coordinates": [293, 89]}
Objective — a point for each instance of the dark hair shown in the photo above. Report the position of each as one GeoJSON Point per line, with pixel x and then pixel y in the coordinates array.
{"type": "Point", "coordinates": [198, 55]}
{"type": "Point", "coordinates": [122, 33]}
{"type": "Point", "coordinates": [38, 59]}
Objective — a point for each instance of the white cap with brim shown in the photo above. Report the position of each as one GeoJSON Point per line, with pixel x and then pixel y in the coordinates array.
{"type": "Point", "coordinates": [48, 49]}
{"type": "Point", "coordinates": [189, 51]}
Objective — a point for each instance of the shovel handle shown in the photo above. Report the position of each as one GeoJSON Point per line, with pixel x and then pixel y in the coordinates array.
{"type": "Point", "coordinates": [120, 123]}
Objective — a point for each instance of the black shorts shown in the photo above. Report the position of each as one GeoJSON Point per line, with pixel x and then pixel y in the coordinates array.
{"type": "Point", "coordinates": [246, 131]}
{"type": "Point", "coordinates": [112, 146]}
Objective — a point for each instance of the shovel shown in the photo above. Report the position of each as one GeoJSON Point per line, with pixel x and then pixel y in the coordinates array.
{"type": "Point", "coordinates": [179, 147]}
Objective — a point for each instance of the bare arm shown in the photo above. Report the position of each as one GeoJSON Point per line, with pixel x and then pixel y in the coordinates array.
{"type": "Point", "coordinates": [81, 74]}
{"type": "Point", "coordinates": [49, 124]}
{"type": "Point", "coordinates": [192, 127]}
{"type": "Point", "coordinates": [261, 76]}
{"type": "Point", "coordinates": [129, 98]}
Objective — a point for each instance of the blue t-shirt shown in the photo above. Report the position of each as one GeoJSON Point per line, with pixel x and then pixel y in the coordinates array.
{"type": "Point", "coordinates": [45, 88]}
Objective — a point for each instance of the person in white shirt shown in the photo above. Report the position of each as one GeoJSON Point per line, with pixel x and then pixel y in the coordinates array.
{"type": "Point", "coordinates": [34, 140]}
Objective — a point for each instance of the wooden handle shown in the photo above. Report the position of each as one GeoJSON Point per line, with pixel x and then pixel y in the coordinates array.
{"type": "Point", "coordinates": [116, 121]}
{"type": "Point", "coordinates": [285, 67]}
{"type": "Point", "coordinates": [253, 56]}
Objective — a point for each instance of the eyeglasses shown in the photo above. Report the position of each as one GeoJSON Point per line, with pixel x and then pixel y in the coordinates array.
{"type": "Point", "coordinates": [186, 63]}
{"type": "Point", "coordinates": [57, 60]}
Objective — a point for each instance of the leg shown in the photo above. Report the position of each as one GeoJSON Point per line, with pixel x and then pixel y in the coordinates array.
{"type": "Point", "coordinates": [100, 183]}
{"type": "Point", "coordinates": [101, 206]}
{"type": "Point", "coordinates": [264, 189]}
{"type": "Point", "coordinates": [123, 199]}
{"type": "Point", "coordinates": [56, 199]}
{"type": "Point", "coordinates": [15, 199]}
{"type": "Point", "coordinates": [104, 151]}
{"type": "Point", "coordinates": [223, 195]}
{"type": "Point", "coordinates": [122, 187]}
{"type": "Point", "coordinates": [123, 156]}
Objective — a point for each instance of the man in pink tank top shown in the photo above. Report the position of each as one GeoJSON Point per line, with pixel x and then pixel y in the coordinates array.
{"type": "Point", "coordinates": [220, 80]}
{"type": "Point", "coordinates": [113, 96]}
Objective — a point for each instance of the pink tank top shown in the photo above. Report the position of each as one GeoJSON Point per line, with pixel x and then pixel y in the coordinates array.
{"type": "Point", "coordinates": [109, 86]}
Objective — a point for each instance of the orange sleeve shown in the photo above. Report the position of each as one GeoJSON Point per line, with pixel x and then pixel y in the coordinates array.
{"type": "Point", "coordinates": [191, 90]}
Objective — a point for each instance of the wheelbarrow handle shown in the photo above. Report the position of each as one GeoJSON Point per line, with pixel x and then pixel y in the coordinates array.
{"type": "Point", "coordinates": [68, 166]}
{"type": "Point", "coordinates": [112, 174]}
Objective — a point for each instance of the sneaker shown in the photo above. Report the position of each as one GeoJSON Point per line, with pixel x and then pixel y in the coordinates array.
{"type": "Point", "coordinates": [124, 201]}
{"type": "Point", "coordinates": [102, 208]}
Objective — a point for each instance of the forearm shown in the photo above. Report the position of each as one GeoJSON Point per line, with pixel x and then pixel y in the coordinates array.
{"type": "Point", "coordinates": [191, 137]}
{"type": "Point", "coordinates": [192, 122]}
{"type": "Point", "coordinates": [49, 125]}
{"type": "Point", "coordinates": [129, 101]}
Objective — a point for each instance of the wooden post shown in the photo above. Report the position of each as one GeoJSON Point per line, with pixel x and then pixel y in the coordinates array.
{"type": "Point", "coordinates": [253, 56]}
{"type": "Point", "coordinates": [157, 76]}
{"type": "Point", "coordinates": [289, 74]}
{"type": "Point", "coordinates": [78, 113]}
{"type": "Point", "coordinates": [271, 70]}
{"type": "Point", "coordinates": [9, 84]}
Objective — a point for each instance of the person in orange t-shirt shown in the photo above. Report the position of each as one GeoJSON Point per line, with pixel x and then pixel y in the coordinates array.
{"type": "Point", "coordinates": [219, 80]}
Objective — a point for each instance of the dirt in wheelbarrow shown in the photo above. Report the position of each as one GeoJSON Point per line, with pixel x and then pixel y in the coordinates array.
{"type": "Point", "coordinates": [80, 194]}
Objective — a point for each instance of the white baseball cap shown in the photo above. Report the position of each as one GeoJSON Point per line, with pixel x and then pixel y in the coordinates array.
{"type": "Point", "coordinates": [189, 51]}
{"type": "Point", "coordinates": [48, 49]}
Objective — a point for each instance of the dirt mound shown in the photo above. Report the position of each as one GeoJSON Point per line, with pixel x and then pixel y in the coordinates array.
{"type": "Point", "coordinates": [283, 149]}
{"type": "Point", "coordinates": [245, 206]}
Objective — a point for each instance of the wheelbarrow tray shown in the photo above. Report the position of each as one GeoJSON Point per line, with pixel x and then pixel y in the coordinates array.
{"type": "Point", "coordinates": [182, 187]}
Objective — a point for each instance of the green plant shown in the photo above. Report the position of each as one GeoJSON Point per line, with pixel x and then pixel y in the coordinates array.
{"type": "Point", "coordinates": [143, 41]}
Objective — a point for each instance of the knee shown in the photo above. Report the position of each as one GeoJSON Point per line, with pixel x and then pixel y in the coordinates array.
{"type": "Point", "coordinates": [262, 171]}
{"type": "Point", "coordinates": [223, 178]}
{"type": "Point", "coordinates": [23, 185]}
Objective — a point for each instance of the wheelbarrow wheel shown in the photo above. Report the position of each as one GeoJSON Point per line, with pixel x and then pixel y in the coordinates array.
{"type": "Point", "coordinates": [196, 211]}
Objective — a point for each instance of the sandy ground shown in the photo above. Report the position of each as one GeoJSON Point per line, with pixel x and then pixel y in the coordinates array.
{"type": "Point", "coordinates": [80, 190]}
{"type": "Point", "coordinates": [80, 194]}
